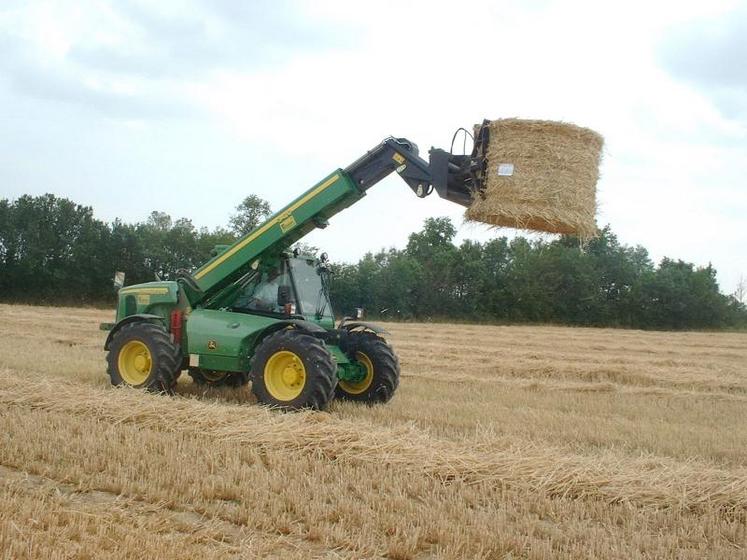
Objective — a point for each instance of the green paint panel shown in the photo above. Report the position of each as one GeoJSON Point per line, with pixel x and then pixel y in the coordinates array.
{"type": "Point", "coordinates": [337, 355]}
{"type": "Point", "coordinates": [157, 298]}
{"type": "Point", "coordinates": [353, 372]}
{"type": "Point", "coordinates": [222, 333]}
{"type": "Point", "coordinates": [223, 363]}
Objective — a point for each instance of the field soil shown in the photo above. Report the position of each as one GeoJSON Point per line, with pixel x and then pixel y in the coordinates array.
{"type": "Point", "coordinates": [502, 442]}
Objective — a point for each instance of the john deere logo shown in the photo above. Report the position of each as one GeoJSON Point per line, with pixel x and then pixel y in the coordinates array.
{"type": "Point", "coordinates": [212, 345]}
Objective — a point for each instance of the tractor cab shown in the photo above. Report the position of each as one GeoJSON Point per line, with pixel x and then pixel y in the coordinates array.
{"type": "Point", "coordinates": [292, 286]}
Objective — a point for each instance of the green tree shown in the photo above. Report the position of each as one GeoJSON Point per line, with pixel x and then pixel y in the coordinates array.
{"type": "Point", "coordinates": [434, 256]}
{"type": "Point", "coordinates": [496, 256]}
{"type": "Point", "coordinates": [207, 241]}
{"type": "Point", "coordinates": [395, 282]}
{"type": "Point", "coordinates": [680, 296]}
{"type": "Point", "coordinates": [126, 253]}
{"type": "Point", "coordinates": [528, 297]}
{"type": "Point", "coordinates": [344, 288]}
{"type": "Point", "coordinates": [7, 246]}
{"type": "Point", "coordinates": [168, 245]}
{"type": "Point", "coordinates": [469, 275]}
{"type": "Point", "coordinates": [252, 211]}
{"type": "Point", "coordinates": [50, 249]}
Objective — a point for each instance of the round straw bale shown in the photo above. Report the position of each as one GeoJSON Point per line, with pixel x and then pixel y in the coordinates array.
{"type": "Point", "coordinates": [541, 175]}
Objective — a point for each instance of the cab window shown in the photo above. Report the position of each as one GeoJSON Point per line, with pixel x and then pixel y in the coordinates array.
{"type": "Point", "coordinates": [261, 291]}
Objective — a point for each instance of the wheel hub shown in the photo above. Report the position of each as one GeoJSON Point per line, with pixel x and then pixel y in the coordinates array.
{"type": "Point", "coordinates": [140, 362]}
{"type": "Point", "coordinates": [362, 384]}
{"type": "Point", "coordinates": [135, 362]}
{"type": "Point", "coordinates": [285, 375]}
{"type": "Point", "coordinates": [291, 376]}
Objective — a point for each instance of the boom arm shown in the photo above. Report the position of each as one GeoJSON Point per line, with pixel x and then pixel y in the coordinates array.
{"type": "Point", "coordinates": [454, 178]}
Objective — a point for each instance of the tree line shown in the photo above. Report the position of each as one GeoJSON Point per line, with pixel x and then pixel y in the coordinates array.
{"type": "Point", "coordinates": [604, 283]}
{"type": "Point", "coordinates": [54, 251]}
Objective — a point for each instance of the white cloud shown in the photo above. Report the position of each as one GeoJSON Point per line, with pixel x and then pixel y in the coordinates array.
{"type": "Point", "coordinates": [672, 179]}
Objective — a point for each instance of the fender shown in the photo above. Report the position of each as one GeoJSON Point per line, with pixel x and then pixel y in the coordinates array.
{"type": "Point", "coordinates": [304, 325]}
{"type": "Point", "coordinates": [363, 325]}
{"type": "Point", "coordinates": [146, 317]}
{"type": "Point", "coordinates": [300, 324]}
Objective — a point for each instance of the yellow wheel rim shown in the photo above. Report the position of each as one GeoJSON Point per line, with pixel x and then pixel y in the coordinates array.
{"type": "Point", "coordinates": [134, 362]}
{"type": "Point", "coordinates": [361, 386]}
{"type": "Point", "coordinates": [285, 375]}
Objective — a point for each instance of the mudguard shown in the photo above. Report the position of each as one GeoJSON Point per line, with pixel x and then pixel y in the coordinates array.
{"type": "Point", "coordinates": [363, 325]}
{"type": "Point", "coordinates": [300, 324]}
{"type": "Point", "coordinates": [305, 325]}
{"type": "Point", "coordinates": [132, 319]}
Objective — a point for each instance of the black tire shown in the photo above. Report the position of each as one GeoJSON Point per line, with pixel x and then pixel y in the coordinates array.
{"type": "Point", "coordinates": [163, 357]}
{"type": "Point", "coordinates": [218, 379]}
{"type": "Point", "coordinates": [385, 378]}
{"type": "Point", "coordinates": [320, 371]}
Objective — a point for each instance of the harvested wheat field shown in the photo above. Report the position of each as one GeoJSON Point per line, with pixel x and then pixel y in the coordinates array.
{"type": "Point", "coordinates": [502, 442]}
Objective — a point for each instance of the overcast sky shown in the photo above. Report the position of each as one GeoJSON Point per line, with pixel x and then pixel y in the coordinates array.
{"type": "Point", "coordinates": [186, 107]}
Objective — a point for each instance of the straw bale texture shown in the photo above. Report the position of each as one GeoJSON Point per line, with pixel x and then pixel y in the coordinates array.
{"type": "Point", "coordinates": [552, 186]}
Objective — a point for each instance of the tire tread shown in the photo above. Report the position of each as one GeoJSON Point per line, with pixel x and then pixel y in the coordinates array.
{"type": "Point", "coordinates": [321, 381]}
{"type": "Point", "coordinates": [165, 355]}
{"type": "Point", "coordinates": [386, 367]}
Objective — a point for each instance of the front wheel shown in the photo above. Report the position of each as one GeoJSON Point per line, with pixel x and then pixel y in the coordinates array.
{"type": "Point", "coordinates": [142, 355]}
{"type": "Point", "coordinates": [293, 370]}
{"type": "Point", "coordinates": [381, 365]}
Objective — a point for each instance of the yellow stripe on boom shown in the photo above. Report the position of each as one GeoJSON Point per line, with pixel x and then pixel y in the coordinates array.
{"type": "Point", "coordinates": [267, 225]}
{"type": "Point", "coordinates": [154, 291]}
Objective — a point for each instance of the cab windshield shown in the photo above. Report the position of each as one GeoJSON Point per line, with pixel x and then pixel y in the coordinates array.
{"type": "Point", "coordinates": [260, 291]}
{"type": "Point", "coordinates": [311, 288]}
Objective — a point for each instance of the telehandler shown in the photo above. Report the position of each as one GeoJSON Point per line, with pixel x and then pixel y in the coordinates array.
{"type": "Point", "coordinates": [259, 312]}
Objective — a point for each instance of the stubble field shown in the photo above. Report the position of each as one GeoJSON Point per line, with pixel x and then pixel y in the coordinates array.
{"type": "Point", "coordinates": [502, 442]}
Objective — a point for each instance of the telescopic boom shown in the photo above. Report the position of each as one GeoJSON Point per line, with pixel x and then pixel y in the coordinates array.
{"type": "Point", "coordinates": [454, 178]}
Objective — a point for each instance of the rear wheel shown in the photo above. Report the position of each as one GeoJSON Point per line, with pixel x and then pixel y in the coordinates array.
{"type": "Point", "coordinates": [218, 378]}
{"type": "Point", "coordinates": [381, 365]}
{"type": "Point", "coordinates": [293, 370]}
{"type": "Point", "coordinates": [142, 355]}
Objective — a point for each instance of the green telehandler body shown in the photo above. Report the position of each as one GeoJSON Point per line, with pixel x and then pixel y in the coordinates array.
{"type": "Point", "coordinates": [259, 311]}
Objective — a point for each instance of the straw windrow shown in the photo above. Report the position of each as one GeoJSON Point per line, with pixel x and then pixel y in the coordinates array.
{"type": "Point", "coordinates": [642, 481]}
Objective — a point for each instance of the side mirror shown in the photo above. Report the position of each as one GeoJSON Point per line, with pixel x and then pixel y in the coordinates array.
{"type": "Point", "coordinates": [284, 295]}
{"type": "Point", "coordinates": [119, 279]}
